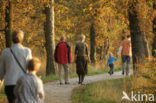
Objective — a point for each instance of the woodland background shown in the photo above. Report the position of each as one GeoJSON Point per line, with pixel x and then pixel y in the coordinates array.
{"type": "Point", "coordinates": [104, 22]}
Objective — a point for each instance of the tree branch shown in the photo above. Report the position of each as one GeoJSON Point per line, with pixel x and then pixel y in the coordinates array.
{"type": "Point", "coordinates": [2, 30]}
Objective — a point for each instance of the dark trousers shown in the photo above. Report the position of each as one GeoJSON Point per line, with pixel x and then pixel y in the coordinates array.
{"type": "Point", "coordinates": [126, 60]}
{"type": "Point", "coordinates": [111, 68]}
{"type": "Point", "coordinates": [81, 78]}
{"type": "Point", "coordinates": [9, 91]}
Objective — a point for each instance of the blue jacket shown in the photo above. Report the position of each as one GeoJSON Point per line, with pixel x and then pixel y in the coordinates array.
{"type": "Point", "coordinates": [111, 60]}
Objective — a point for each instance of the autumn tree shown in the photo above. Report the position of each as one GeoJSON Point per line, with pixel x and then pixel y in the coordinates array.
{"type": "Point", "coordinates": [50, 38]}
{"type": "Point", "coordinates": [139, 43]}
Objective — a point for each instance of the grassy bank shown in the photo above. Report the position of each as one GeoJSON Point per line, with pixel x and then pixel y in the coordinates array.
{"type": "Point", "coordinates": [111, 91]}
{"type": "Point", "coordinates": [101, 92]}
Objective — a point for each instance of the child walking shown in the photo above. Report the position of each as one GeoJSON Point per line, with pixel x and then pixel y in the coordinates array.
{"type": "Point", "coordinates": [110, 63]}
{"type": "Point", "coordinates": [29, 88]}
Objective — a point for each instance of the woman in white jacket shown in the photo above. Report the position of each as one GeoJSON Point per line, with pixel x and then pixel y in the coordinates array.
{"type": "Point", "coordinates": [10, 71]}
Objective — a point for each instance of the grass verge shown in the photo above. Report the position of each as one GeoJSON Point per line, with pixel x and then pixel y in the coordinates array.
{"type": "Point", "coordinates": [109, 91]}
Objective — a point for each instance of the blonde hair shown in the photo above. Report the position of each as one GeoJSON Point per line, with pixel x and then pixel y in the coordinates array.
{"type": "Point", "coordinates": [32, 64]}
{"type": "Point", "coordinates": [82, 37]}
{"type": "Point", "coordinates": [110, 54]}
{"type": "Point", "coordinates": [17, 36]}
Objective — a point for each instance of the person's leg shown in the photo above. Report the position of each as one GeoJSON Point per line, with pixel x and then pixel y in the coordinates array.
{"type": "Point", "coordinates": [9, 91]}
{"type": "Point", "coordinates": [123, 64]}
{"type": "Point", "coordinates": [60, 73]}
{"type": "Point", "coordinates": [66, 71]}
{"type": "Point", "coordinates": [128, 59]}
{"type": "Point", "coordinates": [82, 79]}
{"type": "Point", "coordinates": [79, 78]}
{"type": "Point", "coordinates": [111, 68]}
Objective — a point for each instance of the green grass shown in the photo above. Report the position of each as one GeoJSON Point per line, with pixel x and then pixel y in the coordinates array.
{"type": "Point", "coordinates": [109, 91]}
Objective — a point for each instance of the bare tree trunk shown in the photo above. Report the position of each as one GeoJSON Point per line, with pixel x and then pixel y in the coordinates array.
{"type": "Point", "coordinates": [106, 47]}
{"type": "Point", "coordinates": [50, 38]}
{"type": "Point", "coordinates": [8, 20]}
{"type": "Point", "coordinates": [139, 44]}
{"type": "Point", "coordinates": [92, 43]}
{"type": "Point", "coordinates": [154, 31]}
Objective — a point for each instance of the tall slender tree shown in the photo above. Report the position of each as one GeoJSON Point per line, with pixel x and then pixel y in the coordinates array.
{"type": "Point", "coordinates": [139, 43]}
{"type": "Point", "coordinates": [154, 31]}
{"type": "Point", "coordinates": [50, 38]}
{"type": "Point", "coordinates": [92, 43]}
{"type": "Point", "coordinates": [8, 22]}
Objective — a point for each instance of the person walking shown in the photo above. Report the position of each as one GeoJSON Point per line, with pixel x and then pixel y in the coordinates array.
{"type": "Point", "coordinates": [29, 88]}
{"type": "Point", "coordinates": [11, 61]}
{"type": "Point", "coordinates": [81, 59]}
{"type": "Point", "coordinates": [63, 57]}
{"type": "Point", "coordinates": [110, 63]}
{"type": "Point", "coordinates": [125, 50]}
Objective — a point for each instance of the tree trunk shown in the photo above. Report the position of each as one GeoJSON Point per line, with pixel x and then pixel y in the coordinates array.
{"type": "Point", "coordinates": [139, 44]}
{"type": "Point", "coordinates": [92, 43]}
{"type": "Point", "coordinates": [154, 31]}
{"type": "Point", "coordinates": [50, 38]}
{"type": "Point", "coordinates": [8, 22]}
{"type": "Point", "coordinates": [106, 47]}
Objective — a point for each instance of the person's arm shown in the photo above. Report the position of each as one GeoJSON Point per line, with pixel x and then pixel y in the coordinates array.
{"type": "Point", "coordinates": [120, 49]}
{"type": "Point", "coordinates": [41, 90]}
{"type": "Point", "coordinates": [1, 84]}
{"type": "Point", "coordinates": [69, 53]}
{"type": "Point", "coordinates": [29, 56]}
{"type": "Point", "coordinates": [87, 53]}
{"type": "Point", "coordinates": [115, 58]}
{"type": "Point", "coordinates": [75, 53]}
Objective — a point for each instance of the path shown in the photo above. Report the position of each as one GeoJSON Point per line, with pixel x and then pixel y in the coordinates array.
{"type": "Point", "coordinates": [56, 93]}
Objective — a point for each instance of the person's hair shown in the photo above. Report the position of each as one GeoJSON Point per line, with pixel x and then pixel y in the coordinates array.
{"type": "Point", "coordinates": [110, 54]}
{"type": "Point", "coordinates": [128, 36]}
{"type": "Point", "coordinates": [82, 37]}
{"type": "Point", "coordinates": [62, 38]}
{"type": "Point", "coordinates": [17, 36]}
{"type": "Point", "coordinates": [122, 37]}
{"type": "Point", "coordinates": [31, 66]}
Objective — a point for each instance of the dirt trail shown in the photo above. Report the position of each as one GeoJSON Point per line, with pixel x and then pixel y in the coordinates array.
{"type": "Point", "coordinates": [56, 93]}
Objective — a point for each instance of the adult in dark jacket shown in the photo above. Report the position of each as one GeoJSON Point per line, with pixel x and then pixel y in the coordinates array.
{"type": "Point", "coordinates": [63, 58]}
{"type": "Point", "coordinates": [81, 59]}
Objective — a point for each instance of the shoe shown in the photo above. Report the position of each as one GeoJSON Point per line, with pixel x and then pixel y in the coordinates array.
{"type": "Point", "coordinates": [82, 83]}
{"type": "Point", "coordinates": [122, 73]}
{"type": "Point", "coordinates": [109, 72]}
{"type": "Point", "coordinates": [79, 82]}
{"type": "Point", "coordinates": [127, 73]}
{"type": "Point", "coordinates": [67, 83]}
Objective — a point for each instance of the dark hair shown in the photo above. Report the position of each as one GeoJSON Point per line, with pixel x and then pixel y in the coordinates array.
{"type": "Point", "coordinates": [122, 37]}
{"type": "Point", "coordinates": [17, 36]}
{"type": "Point", "coordinates": [32, 64]}
{"type": "Point", "coordinates": [128, 36]}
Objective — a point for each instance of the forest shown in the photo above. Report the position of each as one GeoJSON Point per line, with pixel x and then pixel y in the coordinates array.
{"type": "Point", "coordinates": [103, 22]}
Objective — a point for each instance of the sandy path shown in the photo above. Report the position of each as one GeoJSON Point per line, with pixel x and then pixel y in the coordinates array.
{"type": "Point", "coordinates": [56, 93]}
